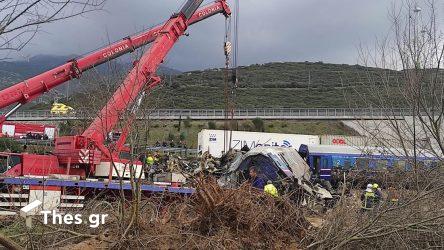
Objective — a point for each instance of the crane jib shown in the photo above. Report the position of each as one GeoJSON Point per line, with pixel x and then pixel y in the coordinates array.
{"type": "Point", "coordinates": [190, 7]}
{"type": "Point", "coordinates": [144, 69]}
{"type": "Point", "coordinates": [89, 153]}
{"type": "Point", "coordinates": [31, 88]}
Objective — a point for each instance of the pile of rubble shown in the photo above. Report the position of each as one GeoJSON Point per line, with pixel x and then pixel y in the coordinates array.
{"type": "Point", "coordinates": [206, 164]}
{"type": "Point", "coordinates": [284, 167]}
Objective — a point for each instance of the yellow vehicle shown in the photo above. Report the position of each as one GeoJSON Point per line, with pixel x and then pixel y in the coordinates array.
{"type": "Point", "coordinates": [60, 109]}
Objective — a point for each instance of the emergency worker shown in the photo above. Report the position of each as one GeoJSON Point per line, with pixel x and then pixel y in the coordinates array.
{"type": "Point", "coordinates": [255, 179]}
{"type": "Point", "coordinates": [377, 191]}
{"type": "Point", "coordinates": [368, 198]}
{"type": "Point", "coordinates": [271, 190]}
{"type": "Point", "coordinates": [156, 158]}
{"type": "Point", "coordinates": [149, 161]}
{"type": "Point", "coordinates": [149, 169]}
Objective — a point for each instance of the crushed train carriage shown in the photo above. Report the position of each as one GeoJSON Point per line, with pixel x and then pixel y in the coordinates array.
{"type": "Point", "coordinates": [283, 166]}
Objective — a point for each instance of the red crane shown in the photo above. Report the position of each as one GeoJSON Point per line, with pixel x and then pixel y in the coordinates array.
{"type": "Point", "coordinates": [87, 154]}
{"type": "Point", "coordinates": [29, 89]}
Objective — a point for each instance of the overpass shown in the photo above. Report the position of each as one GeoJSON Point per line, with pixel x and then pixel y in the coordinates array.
{"type": "Point", "coordinates": [239, 114]}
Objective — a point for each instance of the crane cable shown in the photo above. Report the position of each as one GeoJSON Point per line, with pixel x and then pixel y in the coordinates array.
{"type": "Point", "coordinates": [235, 72]}
{"type": "Point", "coordinates": [227, 53]}
{"type": "Point", "coordinates": [230, 75]}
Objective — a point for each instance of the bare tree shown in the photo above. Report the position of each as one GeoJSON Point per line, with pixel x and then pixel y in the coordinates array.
{"type": "Point", "coordinates": [404, 80]}
{"type": "Point", "coordinates": [21, 20]}
{"type": "Point", "coordinates": [409, 89]}
{"type": "Point", "coordinates": [415, 222]}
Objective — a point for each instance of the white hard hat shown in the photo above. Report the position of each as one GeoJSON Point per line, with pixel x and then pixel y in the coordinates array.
{"type": "Point", "coordinates": [369, 185]}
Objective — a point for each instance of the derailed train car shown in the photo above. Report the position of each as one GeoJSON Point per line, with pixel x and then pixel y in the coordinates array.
{"type": "Point", "coordinates": [323, 159]}
{"type": "Point", "coordinates": [283, 166]}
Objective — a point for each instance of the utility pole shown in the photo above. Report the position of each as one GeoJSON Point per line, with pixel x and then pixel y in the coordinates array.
{"type": "Point", "coordinates": [309, 79]}
{"type": "Point", "coordinates": [417, 10]}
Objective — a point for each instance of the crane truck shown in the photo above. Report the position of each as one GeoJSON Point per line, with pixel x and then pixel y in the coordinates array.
{"type": "Point", "coordinates": [28, 90]}
{"type": "Point", "coordinates": [88, 155]}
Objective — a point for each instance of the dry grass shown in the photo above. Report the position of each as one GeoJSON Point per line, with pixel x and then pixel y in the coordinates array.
{"type": "Point", "coordinates": [216, 218]}
{"type": "Point", "coordinates": [222, 218]}
{"type": "Point", "coordinates": [416, 222]}
{"type": "Point", "coordinates": [212, 218]}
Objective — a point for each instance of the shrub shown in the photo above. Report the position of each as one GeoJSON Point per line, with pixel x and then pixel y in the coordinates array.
{"type": "Point", "coordinates": [8, 144]}
{"type": "Point", "coordinates": [66, 128]}
{"type": "Point", "coordinates": [247, 126]}
{"type": "Point", "coordinates": [171, 136]}
{"type": "Point", "coordinates": [211, 125]}
{"type": "Point", "coordinates": [182, 136]}
{"type": "Point", "coordinates": [187, 122]}
{"type": "Point", "coordinates": [224, 127]}
{"type": "Point", "coordinates": [258, 124]}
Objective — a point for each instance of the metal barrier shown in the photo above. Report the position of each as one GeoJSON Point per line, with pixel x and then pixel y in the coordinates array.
{"type": "Point", "coordinates": [219, 114]}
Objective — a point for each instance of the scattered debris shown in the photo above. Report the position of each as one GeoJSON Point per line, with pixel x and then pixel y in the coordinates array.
{"type": "Point", "coordinates": [283, 166]}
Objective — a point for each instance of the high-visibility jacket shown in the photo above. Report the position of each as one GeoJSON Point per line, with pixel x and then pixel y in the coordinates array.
{"type": "Point", "coordinates": [149, 160]}
{"type": "Point", "coordinates": [271, 190]}
{"type": "Point", "coordinates": [369, 200]}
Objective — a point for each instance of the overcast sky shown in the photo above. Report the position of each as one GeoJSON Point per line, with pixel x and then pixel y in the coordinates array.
{"type": "Point", "coordinates": [277, 30]}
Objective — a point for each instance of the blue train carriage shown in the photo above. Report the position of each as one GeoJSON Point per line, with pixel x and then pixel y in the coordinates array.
{"type": "Point", "coordinates": [323, 158]}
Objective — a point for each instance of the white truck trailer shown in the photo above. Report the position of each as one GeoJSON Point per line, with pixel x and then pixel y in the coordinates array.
{"type": "Point", "coordinates": [213, 141]}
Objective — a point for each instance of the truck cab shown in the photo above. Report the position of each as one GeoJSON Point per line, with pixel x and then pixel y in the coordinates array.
{"type": "Point", "coordinates": [24, 164]}
{"type": "Point", "coordinates": [8, 161]}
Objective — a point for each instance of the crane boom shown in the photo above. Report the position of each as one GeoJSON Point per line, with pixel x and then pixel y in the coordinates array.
{"type": "Point", "coordinates": [142, 73]}
{"type": "Point", "coordinates": [86, 154]}
{"type": "Point", "coordinates": [27, 90]}
{"type": "Point", "coordinates": [139, 79]}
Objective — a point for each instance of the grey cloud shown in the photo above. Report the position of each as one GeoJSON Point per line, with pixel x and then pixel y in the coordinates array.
{"type": "Point", "coordinates": [273, 30]}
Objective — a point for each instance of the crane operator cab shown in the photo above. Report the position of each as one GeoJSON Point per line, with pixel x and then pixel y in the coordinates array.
{"type": "Point", "coordinates": [60, 109]}
{"type": "Point", "coordinates": [7, 161]}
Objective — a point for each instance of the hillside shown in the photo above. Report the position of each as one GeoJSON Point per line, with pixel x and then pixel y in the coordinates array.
{"type": "Point", "coordinates": [40, 63]}
{"type": "Point", "coordinates": [271, 85]}
{"type": "Point", "coordinates": [33, 66]}
{"type": "Point", "coordinates": [12, 72]}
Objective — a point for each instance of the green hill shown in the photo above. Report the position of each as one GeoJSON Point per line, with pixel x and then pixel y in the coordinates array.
{"type": "Point", "coordinates": [271, 85]}
{"type": "Point", "coordinates": [12, 72]}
